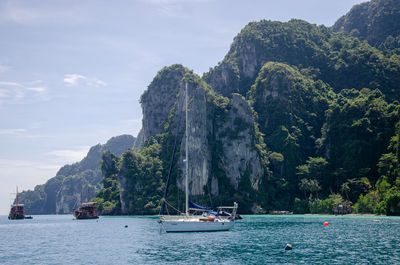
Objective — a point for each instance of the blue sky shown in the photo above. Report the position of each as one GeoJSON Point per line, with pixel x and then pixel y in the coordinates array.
{"type": "Point", "coordinates": [72, 72]}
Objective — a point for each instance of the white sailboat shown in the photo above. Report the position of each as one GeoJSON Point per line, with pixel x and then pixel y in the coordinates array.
{"type": "Point", "coordinates": [188, 222]}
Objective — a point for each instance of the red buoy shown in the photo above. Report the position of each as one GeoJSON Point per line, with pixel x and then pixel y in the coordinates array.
{"type": "Point", "coordinates": [326, 224]}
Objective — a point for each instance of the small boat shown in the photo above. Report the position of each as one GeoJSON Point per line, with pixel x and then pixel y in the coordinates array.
{"type": "Point", "coordinates": [280, 212]}
{"type": "Point", "coordinates": [17, 211]}
{"type": "Point", "coordinates": [87, 210]}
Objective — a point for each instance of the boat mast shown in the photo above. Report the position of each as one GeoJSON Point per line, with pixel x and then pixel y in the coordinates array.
{"type": "Point", "coordinates": [16, 198]}
{"type": "Point", "coordinates": [187, 150]}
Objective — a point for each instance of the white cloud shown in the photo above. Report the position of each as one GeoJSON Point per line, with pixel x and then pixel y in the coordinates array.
{"type": "Point", "coordinates": [73, 79]}
{"type": "Point", "coordinates": [96, 82]}
{"type": "Point", "coordinates": [69, 155]}
{"type": "Point", "coordinates": [5, 83]}
{"type": "Point", "coordinates": [18, 14]}
{"type": "Point", "coordinates": [78, 79]}
{"type": "Point", "coordinates": [30, 13]}
{"type": "Point", "coordinates": [12, 132]}
{"type": "Point", "coordinates": [13, 91]}
{"type": "Point", "coordinates": [35, 86]}
{"type": "Point", "coordinates": [12, 166]}
{"type": "Point", "coordinates": [36, 89]}
{"type": "Point", "coordinates": [20, 133]}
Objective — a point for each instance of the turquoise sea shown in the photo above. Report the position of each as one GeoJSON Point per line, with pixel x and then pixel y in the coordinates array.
{"type": "Point", "coordinates": [58, 239]}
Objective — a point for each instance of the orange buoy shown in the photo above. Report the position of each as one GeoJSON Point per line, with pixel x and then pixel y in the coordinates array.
{"type": "Point", "coordinates": [326, 224]}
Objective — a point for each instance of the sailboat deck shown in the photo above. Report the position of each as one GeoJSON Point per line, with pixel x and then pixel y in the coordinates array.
{"type": "Point", "coordinates": [196, 218]}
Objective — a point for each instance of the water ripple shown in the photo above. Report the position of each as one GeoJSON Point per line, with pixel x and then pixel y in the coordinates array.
{"type": "Point", "coordinates": [254, 240]}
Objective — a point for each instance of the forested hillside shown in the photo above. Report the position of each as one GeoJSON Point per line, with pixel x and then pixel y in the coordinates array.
{"type": "Point", "coordinates": [377, 22]}
{"type": "Point", "coordinates": [295, 117]}
{"type": "Point", "coordinates": [74, 183]}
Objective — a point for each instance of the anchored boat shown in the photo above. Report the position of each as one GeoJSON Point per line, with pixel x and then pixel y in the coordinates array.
{"type": "Point", "coordinates": [209, 221]}
{"type": "Point", "coordinates": [190, 222]}
{"type": "Point", "coordinates": [87, 210]}
{"type": "Point", "coordinates": [17, 211]}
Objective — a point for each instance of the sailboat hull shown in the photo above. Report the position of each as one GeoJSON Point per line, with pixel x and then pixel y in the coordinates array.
{"type": "Point", "coordinates": [179, 226]}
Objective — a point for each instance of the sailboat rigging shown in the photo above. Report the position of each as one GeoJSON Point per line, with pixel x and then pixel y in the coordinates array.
{"type": "Point", "coordinates": [189, 222]}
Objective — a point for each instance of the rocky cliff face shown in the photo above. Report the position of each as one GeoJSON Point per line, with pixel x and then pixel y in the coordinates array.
{"type": "Point", "coordinates": [162, 92]}
{"type": "Point", "coordinates": [199, 123]}
{"type": "Point", "coordinates": [74, 183]}
{"type": "Point", "coordinates": [376, 21]}
{"type": "Point", "coordinates": [199, 127]}
{"type": "Point", "coordinates": [221, 134]}
{"type": "Point", "coordinates": [239, 158]}
{"type": "Point", "coordinates": [72, 192]}
{"type": "Point", "coordinates": [257, 44]}
{"type": "Point", "coordinates": [224, 78]}
{"type": "Point", "coordinates": [260, 122]}
{"type": "Point", "coordinates": [316, 49]}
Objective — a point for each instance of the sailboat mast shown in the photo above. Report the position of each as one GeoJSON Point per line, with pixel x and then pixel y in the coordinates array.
{"type": "Point", "coordinates": [16, 197]}
{"type": "Point", "coordinates": [187, 151]}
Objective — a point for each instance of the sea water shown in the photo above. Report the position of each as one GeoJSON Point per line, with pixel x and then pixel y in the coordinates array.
{"type": "Point", "coordinates": [59, 239]}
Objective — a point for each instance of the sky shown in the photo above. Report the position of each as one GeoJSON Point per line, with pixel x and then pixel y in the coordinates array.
{"type": "Point", "coordinates": [72, 72]}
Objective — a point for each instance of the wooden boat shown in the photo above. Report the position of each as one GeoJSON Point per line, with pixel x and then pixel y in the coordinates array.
{"type": "Point", "coordinates": [87, 210]}
{"type": "Point", "coordinates": [17, 211]}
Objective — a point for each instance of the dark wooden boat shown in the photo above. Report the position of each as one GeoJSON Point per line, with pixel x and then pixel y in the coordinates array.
{"type": "Point", "coordinates": [17, 211]}
{"type": "Point", "coordinates": [87, 210]}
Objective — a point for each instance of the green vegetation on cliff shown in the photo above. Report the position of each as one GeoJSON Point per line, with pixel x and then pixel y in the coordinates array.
{"type": "Point", "coordinates": [376, 21]}
{"type": "Point", "coordinates": [338, 60]}
{"type": "Point", "coordinates": [74, 183]}
{"type": "Point", "coordinates": [296, 117]}
{"type": "Point", "coordinates": [140, 175]}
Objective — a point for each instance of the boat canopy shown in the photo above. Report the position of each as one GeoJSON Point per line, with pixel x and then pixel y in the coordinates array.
{"type": "Point", "coordinates": [219, 214]}
{"type": "Point", "coordinates": [88, 204]}
{"type": "Point", "coordinates": [195, 206]}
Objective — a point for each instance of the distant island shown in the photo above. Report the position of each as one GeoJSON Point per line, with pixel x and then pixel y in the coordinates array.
{"type": "Point", "coordinates": [76, 183]}
{"type": "Point", "coordinates": [296, 117]}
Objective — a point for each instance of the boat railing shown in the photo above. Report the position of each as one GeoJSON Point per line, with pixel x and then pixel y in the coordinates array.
{"type": "Point", "coordinates": [177, 217]}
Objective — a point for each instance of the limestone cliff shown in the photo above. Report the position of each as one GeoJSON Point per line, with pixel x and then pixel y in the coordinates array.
{"type": "Point", "coordinates": [221, 135]}
{"type": "Point", "coordinates": [316, 49]}
{"type": "Point", "coordinates": [199, 127]}
{"type": "Point", "coordinates": [239, 157]}
{"type": "Point", "coordinates": [74, 183]}
{"type": "Point", "coordinates": [159, 98]}
{"type": "Point", "coordinates": [375, 21]}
